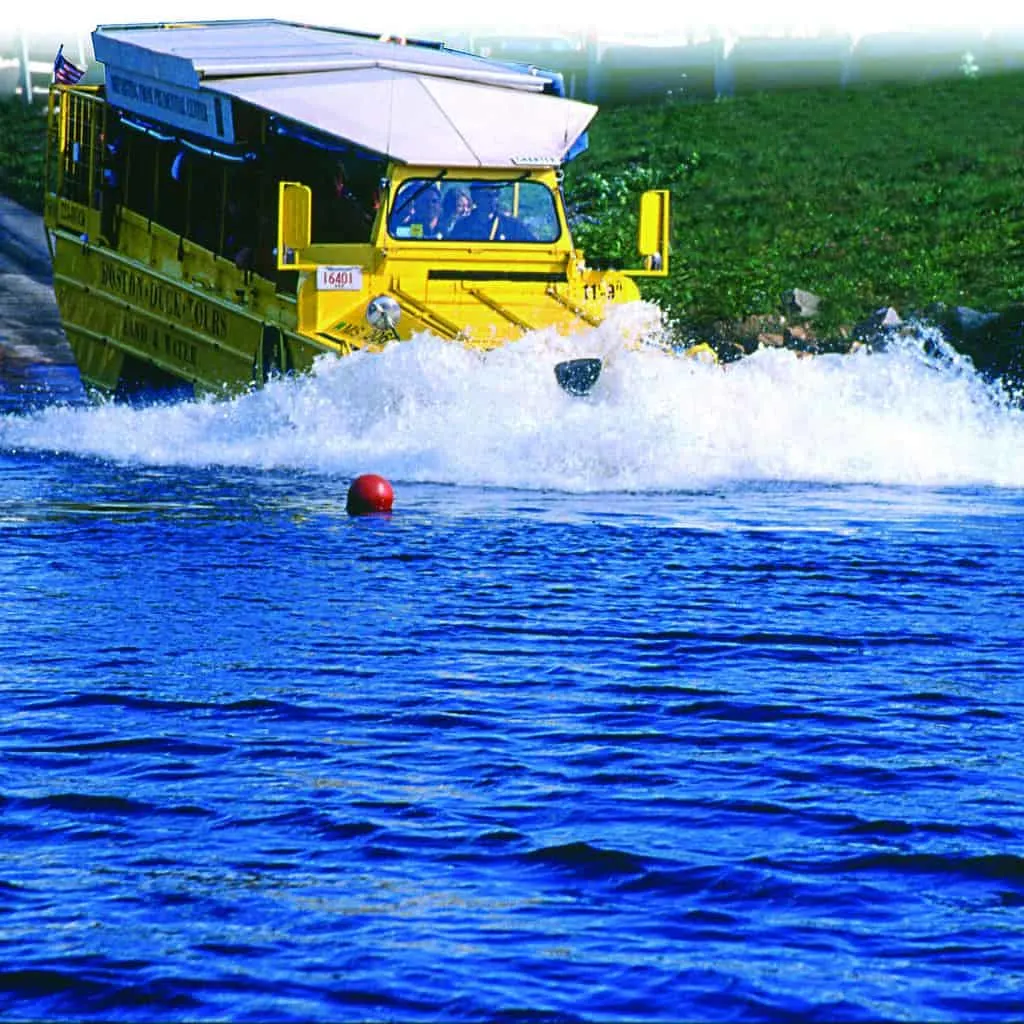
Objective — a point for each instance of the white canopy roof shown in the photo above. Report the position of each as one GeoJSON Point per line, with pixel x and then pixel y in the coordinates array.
{"type": "Point", "coordinates": [419, 119]}
{"type": "Point", "coordinates": [420, 104]}
{"type": "Point", "coordinates": [191, 53]}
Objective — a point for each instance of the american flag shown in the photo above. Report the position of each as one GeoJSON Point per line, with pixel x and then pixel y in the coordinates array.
{"type": "Point", "coordinates": [64, 71]}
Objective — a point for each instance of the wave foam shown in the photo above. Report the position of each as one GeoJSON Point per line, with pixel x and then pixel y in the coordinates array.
{"type": "Point", "coordinates": [430, 411]}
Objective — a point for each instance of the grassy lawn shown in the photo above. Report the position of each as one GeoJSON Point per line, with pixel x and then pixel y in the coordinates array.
{"type": "Point", "coordinates": [873, 196]}
{"type": "Point", "coordinates": [901, 196]}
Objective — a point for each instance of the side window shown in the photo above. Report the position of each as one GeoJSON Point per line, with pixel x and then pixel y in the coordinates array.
{"type": "Point", "coordinates": [247, 229]}
{"type": "Point", "coordinates": [173, 170]}
{"type": "Point", "coordinates": [344, 198]}
{"type": "Point", "coordinates": [206, 193]}
{"type": "Point", "coordinates": [140, 173]}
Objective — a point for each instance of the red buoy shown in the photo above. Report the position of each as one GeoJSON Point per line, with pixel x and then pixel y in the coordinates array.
{"type": "Point", "coordinates": [368, 494]}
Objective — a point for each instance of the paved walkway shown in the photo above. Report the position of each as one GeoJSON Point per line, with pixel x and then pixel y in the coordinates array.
{"type": "Point", "coordinates": [30, 329]}
{"type": "Point", "coordinates": [23, 239]}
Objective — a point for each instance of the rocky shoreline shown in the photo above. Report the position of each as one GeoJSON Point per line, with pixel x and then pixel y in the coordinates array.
{"type": "Point", "coordinates": [994, 341]}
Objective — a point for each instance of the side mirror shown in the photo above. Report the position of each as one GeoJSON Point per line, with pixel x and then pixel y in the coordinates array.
{"type": "Point", "coordinates": [652, 235]}
{"type": "Point", "coordinates": [294, 220]}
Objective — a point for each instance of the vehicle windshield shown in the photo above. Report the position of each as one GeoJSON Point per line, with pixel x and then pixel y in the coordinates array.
{"type": "Point", "coordinates": [473, 210]}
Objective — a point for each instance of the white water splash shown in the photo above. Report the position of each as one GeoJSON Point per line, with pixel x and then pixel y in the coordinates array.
{"type": "Point", "coordinates": [428, 410]}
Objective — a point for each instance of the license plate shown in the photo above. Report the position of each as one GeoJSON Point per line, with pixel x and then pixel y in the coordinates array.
{"type": "Point", "coordinates": [339, 279]}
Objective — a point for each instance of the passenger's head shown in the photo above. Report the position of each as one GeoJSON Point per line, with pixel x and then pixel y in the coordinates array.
{"type": "Point", "coordinates": [428, 205]}
{"type": "Point", "coordinates": [457, 203]}
{"type": "Point", "coordinates": [485, 197]}
{"type": "Point", "coordinates": [339, 176]}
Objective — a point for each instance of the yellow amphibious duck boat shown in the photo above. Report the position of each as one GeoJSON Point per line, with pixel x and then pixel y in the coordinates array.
{"type": "Point", "coordinates": [239, 198]}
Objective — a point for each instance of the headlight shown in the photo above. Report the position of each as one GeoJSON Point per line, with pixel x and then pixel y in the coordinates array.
{"type": "Point", "coordinates": [383, 313]}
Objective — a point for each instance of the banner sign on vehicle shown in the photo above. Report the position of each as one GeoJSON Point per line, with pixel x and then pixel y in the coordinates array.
{"type": "Point", "coordinates": [204, 113]}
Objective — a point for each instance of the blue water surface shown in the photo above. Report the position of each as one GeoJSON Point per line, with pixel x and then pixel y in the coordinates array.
{"type": "Point", "coordinates": [740, 743]}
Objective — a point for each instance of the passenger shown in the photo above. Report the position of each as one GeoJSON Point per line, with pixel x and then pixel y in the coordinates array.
{"type": "Point", "coordinates": [486, 222]}
{"type": "Point", "coordinates": [456, 205]}
{"type": "Point", "coordinates": [341, 217]}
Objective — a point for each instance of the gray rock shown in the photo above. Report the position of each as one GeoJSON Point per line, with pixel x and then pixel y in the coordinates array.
{"type": "Point", "coordinates": [970, 321]}
{"type": "Point", "coordinates": [797, 302]}
{"type": "Point", "coordinates": [878, 324]}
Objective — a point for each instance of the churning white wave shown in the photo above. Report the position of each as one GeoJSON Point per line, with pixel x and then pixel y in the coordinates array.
{"type": "Point", "coordinates": [428, 410]}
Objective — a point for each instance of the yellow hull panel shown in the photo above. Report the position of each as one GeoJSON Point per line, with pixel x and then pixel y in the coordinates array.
{"type": "Point", "coordinates": [114, 309]}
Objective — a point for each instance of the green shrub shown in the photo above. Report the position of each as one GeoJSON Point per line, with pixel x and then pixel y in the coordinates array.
{"type": "Point", "coordinates": [22, 147]}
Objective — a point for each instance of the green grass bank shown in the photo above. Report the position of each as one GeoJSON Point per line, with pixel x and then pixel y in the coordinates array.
{"type": "Point", "coordinates": [878, 196]}
{"type": "Point", "coordinates": [902, 196]}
